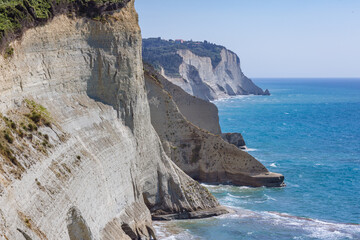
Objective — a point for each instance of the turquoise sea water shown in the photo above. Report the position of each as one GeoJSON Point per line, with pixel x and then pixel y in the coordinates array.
{"type": "Point", "coordinates": [308, 130]}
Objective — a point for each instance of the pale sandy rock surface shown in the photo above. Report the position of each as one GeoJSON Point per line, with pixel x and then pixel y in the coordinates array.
{"type": "Point", "coordinates": [104, 166]}
{"type": "Point", "coordinates": [200, 79]}
{"type": "Point", "coordinates": [201, 154]}
{"type": "Point", "coordinates": [202, 113]}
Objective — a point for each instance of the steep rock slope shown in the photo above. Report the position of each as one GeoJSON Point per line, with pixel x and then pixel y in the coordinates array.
{"type": "Point", "coordinates": [199, 112]}
{"type": "Point", "coordinates": [203, 155]}
{"type": "Point", "coordinates": [202, 113]}
{"type": "Point", "coordinates": [79, 156]}
{"type": "Point", "coordinates": [204, 70]}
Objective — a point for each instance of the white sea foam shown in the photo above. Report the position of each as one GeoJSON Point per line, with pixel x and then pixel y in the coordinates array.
{"type": "Point", "coordinates": [230, 98]}
{"type": "Point", "coordinates": [169, 231]}
{"type": "Point", "coordinates": [270, 198]}
{"type": "Point", "coordinates": [250, 149]}
{"type": "Point", "coordinates": [306, 227]}
{"type": "Point", "coordinates": [273, 165]}
{"type": "Point", "coordinates": [224, 188]}
{"type": "Point", "coordinates": [311, 228]}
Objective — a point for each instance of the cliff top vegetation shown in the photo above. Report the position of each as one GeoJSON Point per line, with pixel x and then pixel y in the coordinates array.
{"type": "Point", "coordinates": [18, 15]}
{"type": "Point", "coordinates": [163, 53]}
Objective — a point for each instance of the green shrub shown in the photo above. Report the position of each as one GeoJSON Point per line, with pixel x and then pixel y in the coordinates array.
{"type": "Point", "coordinates": [31, 127]}
{"type": "Point", "coordinates": [163, 53]}
{"type": "Point", "coordinates": [39, 114]}
{"type": "Point", "coordinates": [17, 15]}
{"type": "Point", "coordinates": [8, 137]}
{"type": "Point", "coordinates": [9, 52]}
{"type": "Point", "coordinates": [35, 117]}
{"type": "Point", "coordinates": [21, 134]}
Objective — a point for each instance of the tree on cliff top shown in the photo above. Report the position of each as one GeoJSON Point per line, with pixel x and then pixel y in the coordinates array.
{"type": "Point", "coordinates": [162, 53]}
{"type": "Point", "coordinates": [17, 15]}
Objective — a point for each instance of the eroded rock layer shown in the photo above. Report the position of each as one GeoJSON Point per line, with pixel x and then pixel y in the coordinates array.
{"type": "Point", "coordinates": [201, 154]}
{"type": "Point", "coordinates": [199, 78]}
{"type": "Point", "coordinates": [79, 156]}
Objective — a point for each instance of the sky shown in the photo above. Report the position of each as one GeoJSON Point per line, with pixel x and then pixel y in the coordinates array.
{"type": "Point", "coordinates": [273, 38]}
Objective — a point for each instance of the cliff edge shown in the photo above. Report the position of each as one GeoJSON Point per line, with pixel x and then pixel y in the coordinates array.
{"type": "Point", "coordinates": [201, 154]}
{"type": "Point", "coordinates": [202, 69]}
{"type": "Point", "coordinates": [79, 158]}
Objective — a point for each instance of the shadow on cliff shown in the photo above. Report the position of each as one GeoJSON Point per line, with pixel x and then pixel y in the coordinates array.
{"type": "Point", "coordinates": [110, 73]}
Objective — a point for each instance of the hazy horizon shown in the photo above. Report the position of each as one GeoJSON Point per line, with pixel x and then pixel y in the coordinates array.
{"type": "Point", "coordinates": [273, 38]}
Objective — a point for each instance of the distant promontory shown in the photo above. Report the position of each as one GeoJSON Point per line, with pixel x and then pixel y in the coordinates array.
{"type": "Point", "coordinates": [205, 70]}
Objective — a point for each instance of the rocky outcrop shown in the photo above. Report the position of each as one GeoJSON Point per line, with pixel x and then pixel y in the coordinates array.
{"type": "Point", "coordinates": [79, 158]}
{"type": "Point", "coordinates": [202, 113]}
{"type": "Point", "coordinates": [201, 154]}
{"type": "Point", "coordinates": [235, 139]}
{"type": "Point", "coordinates": [199, 112]}
{"type": "Point", "coordinates": [200, 79]}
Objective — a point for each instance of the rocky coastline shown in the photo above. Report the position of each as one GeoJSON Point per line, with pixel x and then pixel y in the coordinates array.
{"type": "Point", "coordinates": [95, 145]}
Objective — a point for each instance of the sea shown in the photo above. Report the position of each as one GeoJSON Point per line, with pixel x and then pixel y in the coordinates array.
{"type": "Point", "coordinates": [308, 130]}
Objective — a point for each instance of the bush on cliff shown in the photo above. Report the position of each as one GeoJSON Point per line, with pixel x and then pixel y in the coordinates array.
{"type": "Point", "coordinates": [17, 15]}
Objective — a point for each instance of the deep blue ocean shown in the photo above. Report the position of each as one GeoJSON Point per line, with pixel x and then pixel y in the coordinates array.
{"type": "Point", "coordinates": [308, 130]}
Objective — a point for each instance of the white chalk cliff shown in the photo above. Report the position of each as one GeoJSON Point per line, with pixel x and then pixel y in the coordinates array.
{"type": "Point", "coordinates": [201, 153]}
{"type": "Point", "coordinates": [79, 156]}
{"type": "Point", "coordinates": [200, 79]}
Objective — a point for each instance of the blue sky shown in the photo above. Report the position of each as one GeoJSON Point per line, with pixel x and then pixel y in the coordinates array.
{"type": "Point", "coordinates": [273, 38]}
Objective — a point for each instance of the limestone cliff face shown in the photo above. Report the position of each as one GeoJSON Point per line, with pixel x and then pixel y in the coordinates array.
{"type": "Point", "coordinates": [200, 79]}
{"type": "Point", "coordinates": [80, 159]}
{"type": "Point", "coordinates": [202, 113]}
{"type": "Point", "coordinates": [201, 154]}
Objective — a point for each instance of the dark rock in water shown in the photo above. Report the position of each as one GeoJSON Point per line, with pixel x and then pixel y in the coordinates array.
{"type": "Point", "coordinates": [235, 139]}
{"type": "Point", "coordinates": [267, 92]}
{"type": "Point", "coordinates": [193, 215]}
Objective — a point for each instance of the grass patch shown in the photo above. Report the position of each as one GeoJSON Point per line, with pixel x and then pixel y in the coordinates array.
{"type": "Point", "coordinates": [8, 137]}
{"type": "Point", "coordinates": [9, 52]}
{"type": "Point", "coordinates": [17, 15]}
{"type": "Point", "coordinates": [38, 115]}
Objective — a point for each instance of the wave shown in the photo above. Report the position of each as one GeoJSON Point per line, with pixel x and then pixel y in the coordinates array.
{"type": "Point", "coordinates": [311, 228]}
{"type": "Point", "coordinates": [260, 221]}
{"type": "Point", "coordinates": [250, 149]}
{"type": "Point", "coordinates": [220, 188]}
{"type": "Point", "coordinates": [169, 231]}
{"type": "Point", "coordinates": [227, 98]}
{"type": "Point", "coordinates": [317, 228]}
